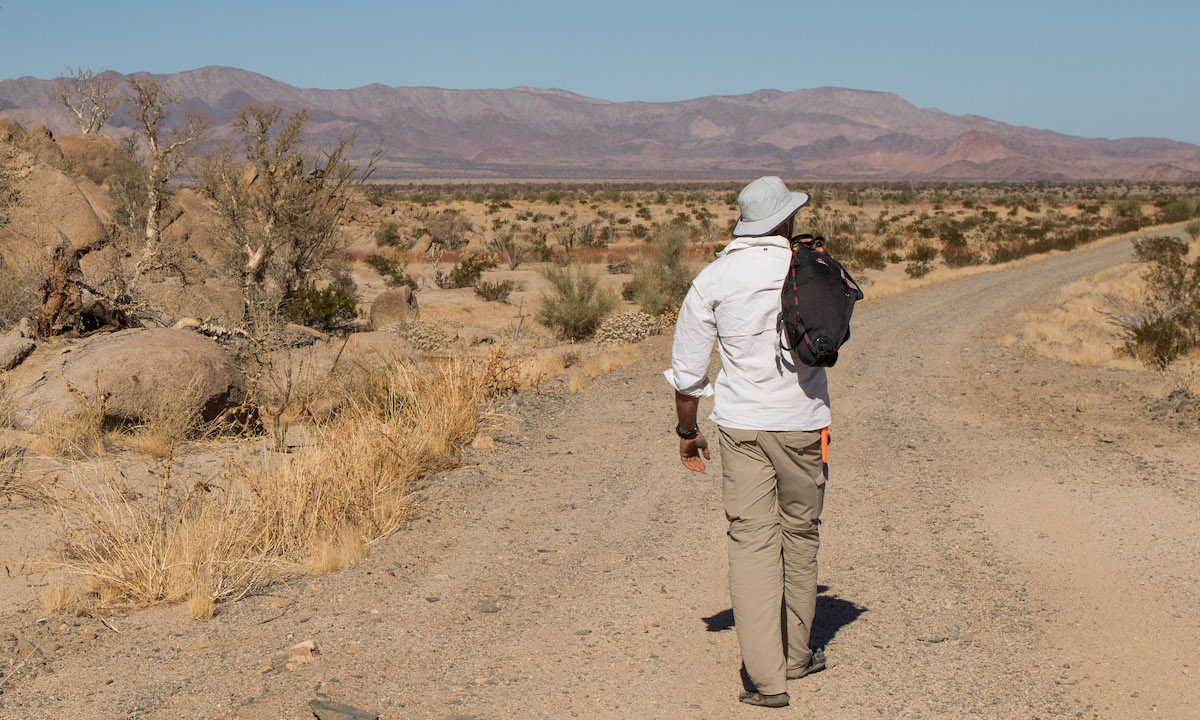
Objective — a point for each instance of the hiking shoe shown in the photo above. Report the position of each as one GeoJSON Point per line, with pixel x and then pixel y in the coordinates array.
{"type": "Point", "coordinates": [777, 700]}
{"type": "Point", "coordinates": [815, 664]}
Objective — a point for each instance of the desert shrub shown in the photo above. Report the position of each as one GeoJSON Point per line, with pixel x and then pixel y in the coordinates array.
{"type": "Point", "coordinates": [511, 251]}
{"type": "Point", "coordinates": [1176, 210]}
{"type": "Point", "coordinates": [377, 195]}
{"type": "Point", "coordinates": [8, 186]}
{"type": "Point", "coordinates": [575, 304]}
{"type": "Point", "coordinates": [312, 509]}
{"type": "Point", "coordinates": [324, 307]}
{"type": "Point", "coordinates": [539, 248]}
{"type": "Point", "coordinates": [917, 268]}
{"type": "Point", "coordinates": [466, 272]}
{"type": "Point", "coordinates": [388, 235]}
{"type": "Point", "coordinates": [661, 281]}
{"type": "Point", "coordinates": [1156, 341]}
{"type": "Point", "coordinates": [619, 266]}
{"type": "Point", "coordinates": [1159, 249]}
{"type": "Point", "coordinates": [381, 264]}
{"type": "Point", "coordinates": [959, 255]}
{"type": "Point", "coordinates": [23, 267]}
{"type": "Point", "coordinates": [129, 191]}
{"type": "Point", "coordinates": [1166, 322]}
{"type": "Point", "coordinates": [921, 254]}
{"type": "Point", "coordinates": [495, 291]}
{"type": "Point", "coordinates": [949, 232]}
{"type": "Point", "coordinates": [1193, 230]}
{"type": "Point", "coordinates": [450, 230]}
{"type": "Point", "coordinates": [861, 258]}
{"type": "Point", "coordinates": [587, 236]}
{"type": "Point", "coordinates": [1009, 251]}
{"type": "Point", "coordinates": [394, 272]}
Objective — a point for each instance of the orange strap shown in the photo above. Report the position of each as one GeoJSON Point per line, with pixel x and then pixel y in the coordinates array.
{"type": "Point", "coordinates": [825, 445]}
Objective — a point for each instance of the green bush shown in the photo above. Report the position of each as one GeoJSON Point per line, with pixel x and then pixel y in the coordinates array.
{"type": "Point", "coordinates": [1193, 230]}
{"type": "Point", "coordinates": [575, 304]}
{"type": "Point", "coordinates": [917, 268]}
{"type": "Point", "coordinates": [466, 271]}
{"type": "Point", "coordinates": [660, 282]}
{"type": "Point", "coordinates": [860, 258]}
{"type": "Point", "coordinates": [1009, 251]}
{"type": "Point", "coordinates": [128, 189]}
{"type": "Point", "coordinates": [586, 236]}
{"type": "Point", "coordinates": [1156, 341]}
{"type": "Point", "coordinates": [394, 272]}
{"type": "Point", "coordinates": [1159, 249]}
{"type": "Point", "coordinates": [619, 266]}
{"type": "Point", "coordinates": [1176, 210]}
{"type": "Point", "coordinates": [960, 256]}
{"type": "Point", "coordinates": [324, 307]}
{"type": "Point", "coordinates": [1166, 324]}
{"type": "Point", "coordinates": [921, 254]}
{"type": "Point", "coordinates": [495, 291]}
{"type": "Point", "coordinates": [388, 235]}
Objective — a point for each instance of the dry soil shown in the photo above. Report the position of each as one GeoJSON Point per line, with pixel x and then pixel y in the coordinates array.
{"type": "Point", "coordinates": [1005, 536]}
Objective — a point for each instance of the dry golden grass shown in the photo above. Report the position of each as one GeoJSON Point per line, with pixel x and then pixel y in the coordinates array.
{"type": "Point", "coordinates": [200, 604]}
{"type": "Point", "coordinates": [314, 509]}
{"type": "Point", "coordinates": [337, 550]}
{"type": "Point", "coordinates": [67, 596]}
{"type": "Point", "coordinates": [1185, 371]}
{"type": "Point", "coordinates": [77, 435]}
{"type": "Point", "coordinates": [171, 421]}
{"type": "Point", "coordinates": [1075, 330]}
{"type": "Point", "coordinates": [7, 405]}
{"type": "Point", "coordinates": [14, 481]}
{"type": "Point", "coordinates": [576, 381]}
{"type": "Point", "coordinates": [23, 266]}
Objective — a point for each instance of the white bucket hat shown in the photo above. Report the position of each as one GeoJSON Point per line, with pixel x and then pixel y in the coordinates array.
{"type": "Point", "coordinates": [765, 204]}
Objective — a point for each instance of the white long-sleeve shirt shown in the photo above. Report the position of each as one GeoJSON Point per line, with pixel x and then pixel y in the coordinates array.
{"type": "Point", "coordinates": [735, 302]}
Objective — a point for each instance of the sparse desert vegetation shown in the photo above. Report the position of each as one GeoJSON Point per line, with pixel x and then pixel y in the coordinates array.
{"type": "Point", "coordinates": [377, 322]}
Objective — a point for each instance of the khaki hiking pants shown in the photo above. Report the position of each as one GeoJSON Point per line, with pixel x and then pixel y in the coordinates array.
{"type": "Point", "coordinates": [773, 491]}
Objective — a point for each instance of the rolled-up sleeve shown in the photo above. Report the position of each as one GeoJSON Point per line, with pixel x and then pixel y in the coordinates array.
{"type": "Point", "coordinates": [695, 333]}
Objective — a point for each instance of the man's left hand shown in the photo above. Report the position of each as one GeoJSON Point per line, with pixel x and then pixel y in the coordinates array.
{"type": "Point", "coordinates": [691, 450]}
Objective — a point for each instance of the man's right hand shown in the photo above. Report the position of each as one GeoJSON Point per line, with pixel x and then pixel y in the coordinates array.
{"type": "Point", "coordinates": [690, 451]}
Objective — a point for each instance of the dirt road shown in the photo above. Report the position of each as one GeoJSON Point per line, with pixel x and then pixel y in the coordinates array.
{"type": "Point", "coordinates": [1005, 537]}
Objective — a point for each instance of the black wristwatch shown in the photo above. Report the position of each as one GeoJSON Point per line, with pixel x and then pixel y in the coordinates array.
{"type": "Point", "coordinates": [689, 434]}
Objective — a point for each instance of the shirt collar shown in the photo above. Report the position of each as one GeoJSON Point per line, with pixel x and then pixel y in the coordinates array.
{"type": "Point", "coordinates": [741, 243]}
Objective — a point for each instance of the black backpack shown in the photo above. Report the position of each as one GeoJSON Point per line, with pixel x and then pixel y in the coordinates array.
{"type": "Point", "coordinates": [816, 304]}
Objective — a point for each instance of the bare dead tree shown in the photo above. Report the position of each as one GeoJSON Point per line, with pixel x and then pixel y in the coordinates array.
{"type": "Point", "coordinates": [282, 209]}
{"type": "Point", "coordinates": [153, 104]}
{"type": "Point", "coordinates": [91, 96]}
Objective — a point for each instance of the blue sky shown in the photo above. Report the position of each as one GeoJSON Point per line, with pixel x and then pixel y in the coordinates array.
{"type": "Point", "coordinates": [1098, 69]}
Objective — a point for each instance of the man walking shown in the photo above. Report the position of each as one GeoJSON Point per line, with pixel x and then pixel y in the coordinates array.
{"type": "Point", "coordinates": [771, 416]}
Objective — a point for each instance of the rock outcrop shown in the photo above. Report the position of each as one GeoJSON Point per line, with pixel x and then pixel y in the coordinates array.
{"type": "Point", "coordinates": [14, 349]}
{"type": "Point", "coordinates": [54, 206]}
{"type": "Point", "coordinates": [392, 306]}
{"type": "Point", "coordinates": [133, 370]}
{"type": "Point", "coordinates": [92, 156]}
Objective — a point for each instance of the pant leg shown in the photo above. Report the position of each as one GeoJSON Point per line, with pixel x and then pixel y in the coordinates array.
{"type": "Point", "coordinates": [796, 457]}
{"type": "Point", "coordinates": [755, 557]}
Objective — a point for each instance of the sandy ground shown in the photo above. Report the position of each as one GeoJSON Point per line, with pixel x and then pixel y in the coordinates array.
{"type": "Point", "coordinates": [1005, 536]}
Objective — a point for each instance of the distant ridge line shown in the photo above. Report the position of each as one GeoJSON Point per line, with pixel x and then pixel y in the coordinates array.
{"type": "Point", "coordinates": [826, 132]}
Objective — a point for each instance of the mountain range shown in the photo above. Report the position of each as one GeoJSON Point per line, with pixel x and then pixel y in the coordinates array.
{"type": "Point", "coordinates": [524, 132]}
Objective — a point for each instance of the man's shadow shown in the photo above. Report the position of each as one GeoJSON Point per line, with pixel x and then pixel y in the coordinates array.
{"type": "Point", "coordinates": [833, 614]}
